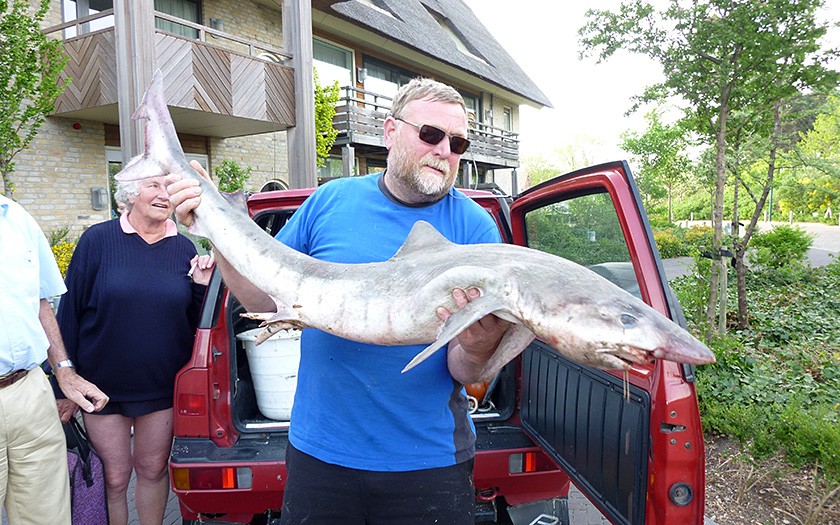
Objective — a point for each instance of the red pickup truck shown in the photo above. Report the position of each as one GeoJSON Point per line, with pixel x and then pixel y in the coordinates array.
{"type": "Point", "coordinates": [632, 443]}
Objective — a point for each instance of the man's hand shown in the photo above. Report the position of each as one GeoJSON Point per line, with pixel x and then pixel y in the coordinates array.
{"type": "Point", "coordinates": [66, 409]}
{"type": "Point", "coordinates": [185, 193]}
{"type": "Point", "coordinates": [469, 352]}
{"type": "Point", "coordinates": [80, 391]}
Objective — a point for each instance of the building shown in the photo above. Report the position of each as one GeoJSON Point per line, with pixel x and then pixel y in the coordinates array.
{"type": "Point", "coordinates": [230, 78]}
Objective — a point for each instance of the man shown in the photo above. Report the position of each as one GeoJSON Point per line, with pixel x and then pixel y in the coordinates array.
{"type": "Point", "coordinates": [34, 482]}
{"type": "Point", "coordinates": [367, 443]}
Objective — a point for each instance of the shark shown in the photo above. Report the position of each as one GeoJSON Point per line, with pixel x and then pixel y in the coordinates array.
{"type": "Point", "coordinates": [568, 307]}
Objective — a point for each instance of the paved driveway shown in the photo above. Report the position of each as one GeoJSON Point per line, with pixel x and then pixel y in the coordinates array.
{"type": "Point", "coordinates": [824, 250]}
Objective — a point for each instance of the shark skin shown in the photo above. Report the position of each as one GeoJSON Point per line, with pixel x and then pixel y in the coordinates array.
{"type": "Point", "coordinates": [572, 309]}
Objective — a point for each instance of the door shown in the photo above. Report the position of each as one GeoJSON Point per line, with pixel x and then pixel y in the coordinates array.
{"type": "Point", "coordinates": [631, 442]}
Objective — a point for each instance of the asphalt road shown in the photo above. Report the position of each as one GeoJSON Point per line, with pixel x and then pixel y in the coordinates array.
{"type": "Point", "coordinates": [826, 237]}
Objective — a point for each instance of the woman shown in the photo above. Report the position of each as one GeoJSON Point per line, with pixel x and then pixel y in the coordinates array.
{"type": "Point", "coordinates": [135, 287]}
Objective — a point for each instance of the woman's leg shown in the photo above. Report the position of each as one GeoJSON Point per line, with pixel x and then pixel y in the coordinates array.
{"type": "Point", "coordinates": [152, 443]}
{"type": "Point", "coordinates": [110, 436]}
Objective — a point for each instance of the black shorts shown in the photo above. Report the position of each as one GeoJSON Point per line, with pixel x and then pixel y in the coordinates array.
{"type": "Point", "coordinates": [135, 409]}
{"type": "Point", "coordinates": [321, 493]}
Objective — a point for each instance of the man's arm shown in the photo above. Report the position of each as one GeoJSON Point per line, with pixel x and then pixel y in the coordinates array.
{"type": "Point", "coordinates": [185, 196]}
{"type": "Point", "coordinates": [468, 354]}
{"type": "Point", "coordinates": [75, 387]}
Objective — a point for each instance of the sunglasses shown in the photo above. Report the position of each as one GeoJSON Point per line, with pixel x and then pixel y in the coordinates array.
{"type": "Point", "coordinates": [432, 135]}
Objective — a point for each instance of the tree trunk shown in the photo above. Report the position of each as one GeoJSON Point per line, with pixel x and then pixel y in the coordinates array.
{"type": "Point", "coordinates": [8, 186]}
{"type": "Point", "coordinates": [717, 214]}
{"type": "Point", "coordinates": [741, 249]}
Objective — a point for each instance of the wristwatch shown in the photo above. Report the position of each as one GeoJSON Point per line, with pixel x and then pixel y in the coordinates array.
{"type": "Point", "coordinates": [64, 364]}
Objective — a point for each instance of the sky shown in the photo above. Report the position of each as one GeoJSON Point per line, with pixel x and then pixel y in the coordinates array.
{"type": "Point", "coordinates": [590, 100]}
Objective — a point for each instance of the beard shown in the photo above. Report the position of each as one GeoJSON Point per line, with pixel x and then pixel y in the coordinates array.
{"type": "Point", "coordinates": [410, 174]}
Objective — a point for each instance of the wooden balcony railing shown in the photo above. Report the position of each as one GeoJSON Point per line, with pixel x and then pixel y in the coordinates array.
{"type": "Point", "coordinates": [360, 115]}
{"type": "Point", "coordinates": [247, 87]}
{"type": "Point", "coordinates": [104, 20]}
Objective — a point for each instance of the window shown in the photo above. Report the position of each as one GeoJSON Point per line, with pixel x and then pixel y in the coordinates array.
{"type": "Point", "coordinates": [585, 230]}
{"type": "Point", "coordinates": [186, 9]}
{"type": "Point", "coordinates": [334, 63]}
{"type": "Point", "coordinates": [507, 119]}
{"type": "Point", "coordinates": [331, 170]}
{"type": "Point", "coordinates": [75, 9]}
{"type": "Point", "coordinates": [385, 79]}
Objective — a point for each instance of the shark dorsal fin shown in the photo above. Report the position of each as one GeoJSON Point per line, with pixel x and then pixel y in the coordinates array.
{"type": "Point", "coordinates": [422, 237]}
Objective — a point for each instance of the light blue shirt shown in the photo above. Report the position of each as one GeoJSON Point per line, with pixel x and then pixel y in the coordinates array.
{"type": "Point", "coordinates": [28, 273]}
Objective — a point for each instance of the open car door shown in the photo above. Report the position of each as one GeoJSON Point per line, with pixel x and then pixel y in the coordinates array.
{"type": "Point", "coordinates": [631, 442]}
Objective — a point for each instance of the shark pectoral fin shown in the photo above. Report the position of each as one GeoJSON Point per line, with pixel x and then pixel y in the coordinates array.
{"type": "Point", "coordinates": [457, 323]}
{"type": "Point", "coordinates": [516, 339]}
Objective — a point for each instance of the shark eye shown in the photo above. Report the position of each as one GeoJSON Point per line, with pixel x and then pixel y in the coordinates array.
{"type": "Point", "coordinates": [628, 321]}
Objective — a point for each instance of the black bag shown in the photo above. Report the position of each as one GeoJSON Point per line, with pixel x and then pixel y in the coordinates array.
{"type": "Point", "coordinates": [88, 501]}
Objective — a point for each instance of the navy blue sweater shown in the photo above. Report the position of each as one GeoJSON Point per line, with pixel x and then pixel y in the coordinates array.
{"type": "Point", "coordinates": [129, 316]}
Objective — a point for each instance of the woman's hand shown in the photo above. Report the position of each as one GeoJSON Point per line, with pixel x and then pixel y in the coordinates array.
{"type": "Point", "coordinates": [201, 268]}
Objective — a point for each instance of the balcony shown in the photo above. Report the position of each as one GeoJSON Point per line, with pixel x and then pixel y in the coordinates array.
{"type": "Point", "coordinates": [360, 115]}
{"type": "Point", "coordinates": [217, 84]}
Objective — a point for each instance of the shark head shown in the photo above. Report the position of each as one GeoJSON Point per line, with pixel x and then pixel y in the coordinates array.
{"type": "Point", "coordinates": [614, 332]}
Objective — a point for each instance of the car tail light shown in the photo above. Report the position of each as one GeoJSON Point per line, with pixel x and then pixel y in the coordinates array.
{"type": "Point", "coordinates": [525, 462]}
{"type": "Point", "coordinates": [192, 404]}
{"type": "Point", "coordinates": [211, 478]}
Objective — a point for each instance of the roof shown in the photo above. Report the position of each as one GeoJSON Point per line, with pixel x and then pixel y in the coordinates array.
{"type": "Point", "coordinates": [445, 30]}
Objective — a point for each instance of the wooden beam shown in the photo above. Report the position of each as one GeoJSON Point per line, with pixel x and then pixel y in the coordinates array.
{"type": "Point", "coordinates": [297, 39]}
{"type": "Point", "coordinates": [134, 26]}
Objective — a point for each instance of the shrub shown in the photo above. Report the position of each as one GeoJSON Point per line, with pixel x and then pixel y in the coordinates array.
{"type": "Point", "coordinates": [779, 247]}
{"type": "Point", "coordinates": [669, 242]}
{"type": "Point", "coordinates": [62, 247]}
{"type": "Point", "coordinates": [775, 387]}
{"type": "Point", "coordinates": [699, 238]}
{"type": "Point", "coordinates": [63, 252]}
{"type": "Point", "coordinates": [232, 177]}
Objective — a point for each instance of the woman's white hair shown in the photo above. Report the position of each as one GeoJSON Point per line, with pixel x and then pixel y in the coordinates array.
{"type": "Point", "coordinates": [128, 190]}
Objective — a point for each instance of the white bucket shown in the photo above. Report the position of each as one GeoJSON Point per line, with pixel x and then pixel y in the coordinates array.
{"type": "Point", "coordinates": [274, 368]}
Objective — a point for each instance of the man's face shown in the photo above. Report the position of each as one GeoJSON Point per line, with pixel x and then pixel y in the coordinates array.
{"type": "Point", "coordinates": [428, 171]}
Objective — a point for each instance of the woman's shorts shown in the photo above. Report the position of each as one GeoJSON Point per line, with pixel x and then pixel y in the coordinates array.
{"type": "Point", "coordinates": [135, 408]}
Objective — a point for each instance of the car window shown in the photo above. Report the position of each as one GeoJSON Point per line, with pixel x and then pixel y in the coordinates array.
{"type": "Point", "coordinates": [585, 229]}
{"type": "Point", "coordinates": [272, 221]}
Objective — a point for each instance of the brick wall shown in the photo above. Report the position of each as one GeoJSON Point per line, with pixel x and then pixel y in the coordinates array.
{"type": "Point", "coordinates": [54, 176]}
{"type": "Point", "coordinates": [248, 20]}
{"type": "Point", "coordinates": [266, 155]}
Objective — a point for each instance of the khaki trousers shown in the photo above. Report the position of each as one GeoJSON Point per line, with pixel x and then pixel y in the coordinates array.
{"type": "Point", "coordinates": [34, 482]}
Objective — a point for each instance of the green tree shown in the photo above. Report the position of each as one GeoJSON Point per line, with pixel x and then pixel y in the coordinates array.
{"type": "Point", "coordinates": [538, 169]}
{"type": "Point", "coordinates": [30, 65]}
{"type": "Point", "coordinates": [326, 97]}
{"type": "Point", "coordinates": [720, 56]}
{"type": "Point", "coordinates": [813, 186]}
{"type": "Point", "coordinates": [659, 151]}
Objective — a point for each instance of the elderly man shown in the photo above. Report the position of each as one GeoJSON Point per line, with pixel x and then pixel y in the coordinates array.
{"type": "Point", "coordinates": [34, 483]}
{"type": "Point", "coordinates": [367, 443]}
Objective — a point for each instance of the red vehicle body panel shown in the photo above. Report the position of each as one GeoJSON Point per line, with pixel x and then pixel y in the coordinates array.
{"type": "Point", "coordinates": [207, 435]}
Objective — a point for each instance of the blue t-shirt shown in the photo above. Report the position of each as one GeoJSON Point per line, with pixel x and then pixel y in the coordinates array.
{"type": "Point", "coordinates": [353, 406]}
